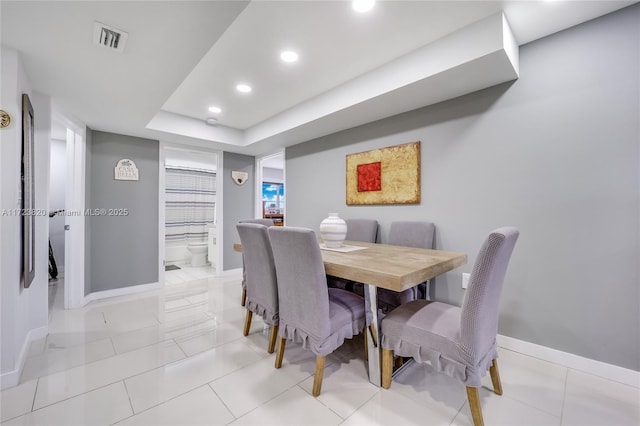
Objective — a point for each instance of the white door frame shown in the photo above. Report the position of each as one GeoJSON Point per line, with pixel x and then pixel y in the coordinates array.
{"type": "Point", "coordinates": [164, 146]}
{"type": "Point", "coordinates": [74, 238]}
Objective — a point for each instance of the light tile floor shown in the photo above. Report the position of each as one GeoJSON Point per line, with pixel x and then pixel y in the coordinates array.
{"type": "Point", "coordinates": [177, 356]}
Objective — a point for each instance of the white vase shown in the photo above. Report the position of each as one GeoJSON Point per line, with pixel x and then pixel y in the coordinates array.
{"type": "Point", "coordinates": [333, 230]}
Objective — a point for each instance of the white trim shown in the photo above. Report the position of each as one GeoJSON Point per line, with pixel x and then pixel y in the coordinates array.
{"type": "Point", "coordinates": [124, 291]}
{"type": "Point", "coordinates": [569, 360]}
{"type": "Point", "coordinates": [74, 244]}
{"type": "Point", "coordinates": [12, 378]}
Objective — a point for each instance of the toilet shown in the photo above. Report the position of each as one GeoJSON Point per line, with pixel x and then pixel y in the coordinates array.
{"type": "Point", "coordinates": [198, 253]}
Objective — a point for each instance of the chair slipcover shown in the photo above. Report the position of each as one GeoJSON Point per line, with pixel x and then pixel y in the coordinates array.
{"type": "Point", "coordinates": [264, 222]}
{"type": "Point", "coordinates": [311, 313]}
{"type": "Point", "coordinates": [364, 230]}
{"type": "Point", "coordinates": [262, 291]}
{"type": "Point", "coordinates": [409, 234]}
{"type": "Point", "coordinates": [461, 342]}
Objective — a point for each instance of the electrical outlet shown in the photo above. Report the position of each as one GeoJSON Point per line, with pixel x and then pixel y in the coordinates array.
{"type": "Point", "coordinates": [465, 280]}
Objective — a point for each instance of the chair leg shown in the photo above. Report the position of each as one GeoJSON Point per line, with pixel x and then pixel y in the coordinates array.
{"type": "Point", "coordinates": [474, 404]}
{"type": "Point", "coordinates": [398, 362]}
{"type": "Point", "coordinates": [495, 377]}
{"type": "Point", "coordinates": [247, 323]}
{"type": "Point", "coordinates": [387, 367]}
{"type": "Point", "coordinates": [373, 336]}
{"type": "Point", "coordinates": [317, 380]}
{"type": "Point", "coordinates": [280, 352]}
{"type": "Point", "coordinates": [243, 300]}
{"type": "Point", "coordinates": [273, 335]}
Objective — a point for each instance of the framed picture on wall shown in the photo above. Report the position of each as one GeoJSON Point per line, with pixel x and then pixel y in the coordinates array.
{"type": "Point", "coordinates": [27, 195]}
{"type": "Point", "coordinates": [389, 175]}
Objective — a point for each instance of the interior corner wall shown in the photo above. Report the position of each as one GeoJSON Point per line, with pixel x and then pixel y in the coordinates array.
{"type": "Point", "coordinates": [555, 153]}
{"type": "Point", "coordinates": [123, 243]}
{"type": "Point", "coordinates": [237, 204]}
{"type": "Point", "coordinates": [23, 312]}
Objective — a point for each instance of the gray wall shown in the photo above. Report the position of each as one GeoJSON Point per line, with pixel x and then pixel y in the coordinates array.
{"type": "Point", "coordinates": [556, 154]}
{"type": "Point", "coordinates": [237, 204]}
{"type": "Point", "coordinates": [123, 250]}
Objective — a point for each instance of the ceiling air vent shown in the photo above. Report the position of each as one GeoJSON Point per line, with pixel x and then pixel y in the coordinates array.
{"type": "Point", "coordinates": [109, 37]}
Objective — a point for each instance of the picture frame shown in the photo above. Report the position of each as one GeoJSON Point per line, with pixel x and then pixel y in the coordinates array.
{"type": "Point", "coordinates": [389, 175]}
{"type": "Point", "coordinates": [27, 194]}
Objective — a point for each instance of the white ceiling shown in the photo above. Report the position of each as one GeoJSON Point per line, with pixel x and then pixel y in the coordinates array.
{"type": "Point", "coordinates": [182, 57]}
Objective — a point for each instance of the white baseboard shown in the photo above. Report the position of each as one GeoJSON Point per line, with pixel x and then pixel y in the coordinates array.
{"type": "Point", "coordinates": [12, 378]}
{"type": "Point", "coordinates": [124, 291]}
{"type": "Point", "coordinates": [576, 362]}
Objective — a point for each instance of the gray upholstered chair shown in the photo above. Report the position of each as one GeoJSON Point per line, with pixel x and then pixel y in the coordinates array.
{"type": "Point", "coordinates": [311, 313]}
{"type": "Point", "coordinates": [262, 288]}
{"type": "Point", "coordinates": [409, 234]}
{"type": "Point", "coordinates": [460, 342]}
{"type": "Point", "coordinates": [265, 222]}
{"type": "Point", "coordinates": [364, 230]}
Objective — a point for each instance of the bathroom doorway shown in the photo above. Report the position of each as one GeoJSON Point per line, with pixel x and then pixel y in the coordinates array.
{"type": "Point", "coordinates": [189, 214]}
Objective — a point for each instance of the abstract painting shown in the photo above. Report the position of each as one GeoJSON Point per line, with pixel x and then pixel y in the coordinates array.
{"type": "Point", "coordinates": [388, 175]}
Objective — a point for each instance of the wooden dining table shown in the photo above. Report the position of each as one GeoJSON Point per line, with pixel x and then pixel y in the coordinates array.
{"type": "Point", "coordinates": [386, 266]}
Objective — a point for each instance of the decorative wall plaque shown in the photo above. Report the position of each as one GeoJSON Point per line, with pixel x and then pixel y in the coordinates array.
{"type": "Point", "coordinates": [126, 170]}
{"type": "Point", "coordinates": [5, 119]}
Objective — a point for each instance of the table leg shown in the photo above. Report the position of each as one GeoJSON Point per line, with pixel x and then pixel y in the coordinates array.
{"type": "Point", "coordinates": [371, 306]}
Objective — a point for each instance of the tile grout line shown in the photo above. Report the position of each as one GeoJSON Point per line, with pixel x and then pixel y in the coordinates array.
{"type": "Point", "coordinates": [33, 403]}
{"type": "Point", "coordinates": [97, 388]}
{"type": "Point", "coordinates": [527, 404]}
{"type": "Point", "coordinates": [186, 356]}
{"type": "Point", "coordinates": [223, 403]}
{"type": "Point", "coordinates": [126, 389]}
{"type": "Point", "coordinates": [113, 346]}
{"type": "Point", "coordinates": [564, 395]}
{"type": "Point", "coordinates": [106, 384]}
{"type": "Point", "coordinates": [71, 397]}
{"type": "Point", "coordinates": [458, 413]}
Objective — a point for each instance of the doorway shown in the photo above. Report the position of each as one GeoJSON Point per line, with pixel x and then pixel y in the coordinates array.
{"type": "Point", "coordinates": [190, 209]}
{"type": "Point", "coordinates": [67, 197]}
{"type": "Point", "coordinates": [57, 197]}
{"type": "Point", "coordinates": [270, 184]}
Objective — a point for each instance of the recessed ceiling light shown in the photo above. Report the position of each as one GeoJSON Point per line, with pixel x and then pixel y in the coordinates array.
{"type": "Point", "coordinates": [243, 88]}
{"type": "Point", "coordinates": [363, 5]}
{"type": "Point", "coordinates": [215, 109]}
{"type": "Point", "coordinates": [289, 56]}
{"type": "Point", "coordinates": [211, 121]}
